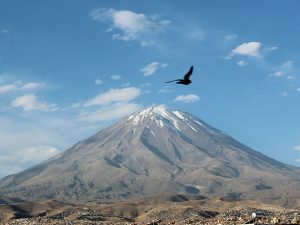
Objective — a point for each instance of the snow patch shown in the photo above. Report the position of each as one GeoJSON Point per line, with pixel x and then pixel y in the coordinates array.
{"type": "Point", "coordinates": [201, 124]}
{"type": "Point", "coordinates": [174, 122]}
{"type": "Point", "coordinates": [139, 117]}
{"type": "Point", "coordinates": [206, 128]}
{"type": "Point", "coordinates": [161, 110]}
{"type": "Point", "coordinates": [192, 127]}
{"type": "Point", "coordinates": [130, 117]}
{"type": "Point", "coordinates": [161, 123]}
{"type": "Point", "coordinates": [178, 114]}
{"type": "Point", "coordinates": [152, 133]}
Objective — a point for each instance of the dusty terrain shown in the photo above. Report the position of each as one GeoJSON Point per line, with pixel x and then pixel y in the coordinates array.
{"type": "Point", "coordinates": [161, 209]}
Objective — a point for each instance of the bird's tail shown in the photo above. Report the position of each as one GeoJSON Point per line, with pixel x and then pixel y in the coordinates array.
{"type": "Point", "coordinates": [172, 81]}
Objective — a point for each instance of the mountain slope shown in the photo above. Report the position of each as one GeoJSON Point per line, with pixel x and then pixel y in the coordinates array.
{"type": "Point", "coordinates": [157, 151]}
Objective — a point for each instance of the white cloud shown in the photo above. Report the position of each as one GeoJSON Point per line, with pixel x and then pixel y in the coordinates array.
{"type": "Point", "coordinates": [109, 112]}
{"type": "Point", "coordinates": [16, 160]}
{"type": "Point", "coordinates": [187, 98]}
{"type": "Point", "coordinates": [298, 160]}
{"type": "Point", "coordinates": [297, 148]}
{"type": "Point", "coordinates": [30, 102]}
{"type": "Point", "coordinates": [242, 63]}
{"type": "Point", "coordinates": [33, 86]}
{"type": "Point", "coordinates": [298, 89]}
{"type": "Point", "coordinates": [229, 37]}
{"type": "Point", "coordinates": [20, 133]}
{"type": "Point", "coordinates": [285, 70]}
{"type": "Point", "coordinates": [152, 67]}
{"type": "Point", "coordinates": [274, 48]}
{"type": "Point", "coordinates": [251, 49]}
{"type": "Point", "coordinates": [277, 74]}
{"type": "Point", "coordinates": [8, 88]}
{"type": "Point", "coordinates": [19, 86]}
{"type": "Point", "coordinates": [116, 77]}
{"type": "Point", "coordinates": [112, 104]}
{"type": "Point", "coordinates": [98, 82]}
{"type": "Point", "coordinates": [114, 95]}
{"type": "Point", "coordinates": [128, 25]}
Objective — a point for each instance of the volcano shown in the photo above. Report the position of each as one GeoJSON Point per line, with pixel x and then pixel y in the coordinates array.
{"type": "Point", "coordinates": [156, 151]}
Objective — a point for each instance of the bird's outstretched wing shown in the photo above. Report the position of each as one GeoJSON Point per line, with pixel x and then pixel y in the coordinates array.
{"type": "Point", "coordinates": [188, 74]}
{"type": "Point", "coordinates": [172, 81]}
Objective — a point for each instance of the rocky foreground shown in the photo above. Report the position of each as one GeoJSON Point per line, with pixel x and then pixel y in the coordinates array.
{"type": "Point", "coordinates": [176, 209]}
{"type": "Point", "coordinates": [193, 217]}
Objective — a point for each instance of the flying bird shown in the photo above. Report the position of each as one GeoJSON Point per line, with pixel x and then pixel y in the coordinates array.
{"type": "Point", "coordinates": [186, 79]}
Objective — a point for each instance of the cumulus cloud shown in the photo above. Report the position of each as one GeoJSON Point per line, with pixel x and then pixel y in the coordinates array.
{"type": "Point", "coordinates": [152, 67]}
{"type": "Point", "coordinates": [127, 25]}
{"type": "Point", "coordinates": [187, 98]}
{"type": "Point", "coordinates": [116, 77]}
{"type": "Point", "coordinates": [251, 49]}
{"type": "Point", "coordinates": [115, 95]}
{"type": "Point", "coordinates": [30, 102]}
{"type": "Point", "coordinates": [298, 89]}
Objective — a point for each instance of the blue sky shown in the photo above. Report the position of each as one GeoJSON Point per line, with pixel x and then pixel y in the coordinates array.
{"type": "Point", "coordinates": [69, 68]}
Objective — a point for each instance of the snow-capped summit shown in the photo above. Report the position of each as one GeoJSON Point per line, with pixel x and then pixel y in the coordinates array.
{"type": "Point", "coordinates": [158, 114]}
{"type": "Point", "coordinates": [156, 150]}
{"type": "Point", "coordinates": [178, 120]}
